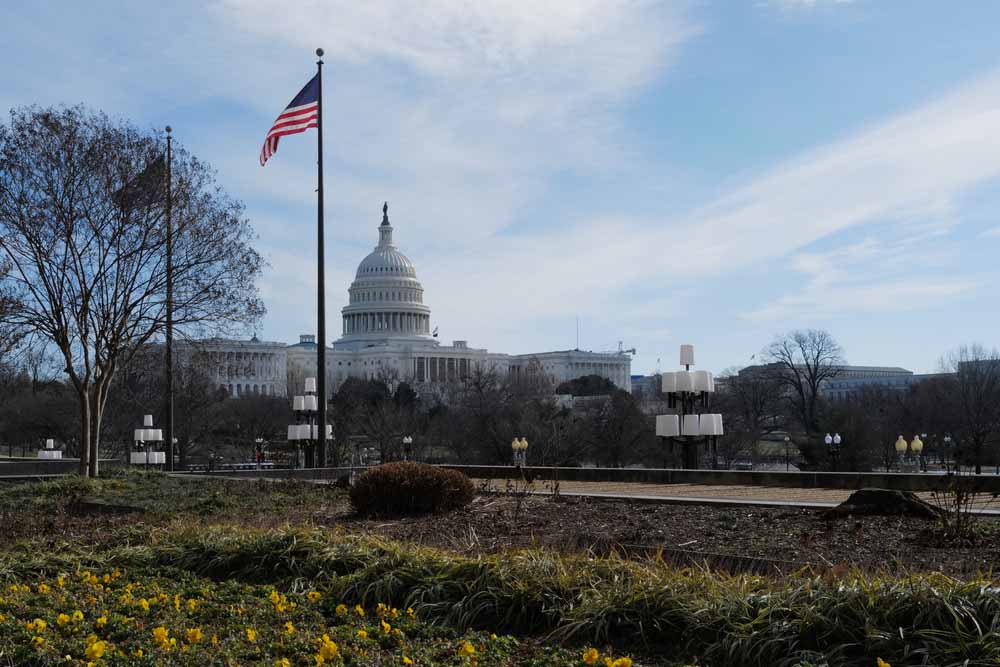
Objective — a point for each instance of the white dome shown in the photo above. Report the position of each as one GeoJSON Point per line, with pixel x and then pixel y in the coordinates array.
{"type": "Point", "coordinates": [386, 261]}
{"type": "Point", "coordinates": [385, 300]}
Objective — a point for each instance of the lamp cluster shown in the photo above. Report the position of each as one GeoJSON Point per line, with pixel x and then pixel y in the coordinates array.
{"type": "Point", "coordinates": [50, 451]}
{"type": "Point", "coordinates": [689, 393]}
{"type": "Point", "coordinates": [305, 408]}
{"type": "Point", "coordinates": [520, 448]}
{"type": "Point", "coordinates": [143, 437]}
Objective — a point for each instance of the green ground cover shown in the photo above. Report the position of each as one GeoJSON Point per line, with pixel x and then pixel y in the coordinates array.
{"type": "Point", "coordinates": [544, 608]}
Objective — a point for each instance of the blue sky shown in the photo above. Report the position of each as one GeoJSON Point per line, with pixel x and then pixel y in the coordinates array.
{"type": "Point", "coordinates": [704, 172]}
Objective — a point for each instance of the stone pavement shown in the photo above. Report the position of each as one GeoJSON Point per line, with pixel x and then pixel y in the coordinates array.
{"type": "Point", "coordinates": [765, 496]}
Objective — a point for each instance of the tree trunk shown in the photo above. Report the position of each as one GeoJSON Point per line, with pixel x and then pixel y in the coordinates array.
{"type": "Point", "coordinates": [84, 431]}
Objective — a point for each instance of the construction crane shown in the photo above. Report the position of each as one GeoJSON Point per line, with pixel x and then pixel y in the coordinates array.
{"type": "Point", "coordinates": [621, 350]}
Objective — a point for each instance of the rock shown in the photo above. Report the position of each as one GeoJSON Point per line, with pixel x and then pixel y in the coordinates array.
{"type": "Point", "coordinates": [887, 501]}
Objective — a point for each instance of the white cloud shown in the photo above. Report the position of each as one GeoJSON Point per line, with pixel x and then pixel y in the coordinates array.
{"type": "Point", "coordinates": [991, 233]}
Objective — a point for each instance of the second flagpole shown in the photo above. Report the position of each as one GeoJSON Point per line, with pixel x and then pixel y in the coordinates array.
{"type": "Point", "coordinates": [320, 460]}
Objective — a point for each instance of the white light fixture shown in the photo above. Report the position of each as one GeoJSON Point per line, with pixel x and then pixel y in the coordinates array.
{"type": "Point", "coordinates": [710, 424]}
{"type": "Point", "coordinates": [668, 426]}
{"type": "Point", "coordinates": [669, 383]}
{"type": "Point", "coordinates": [700, 381]}
{"type": "Point", "coordinates": [50, 444]}
{"type": "Point", "coordinates": [140, 435]}
{"type": "Point", "coordinates": [689, 425]}
{"type": "Point", "coordinates": [298, 403]}
{"type": "Point", "coordinates": [147, 420]}
{"type": "Point", "coordinates": [687, 355]}
{"type": "Point", "coordinates": [310, 403]}
{"type": "Point", "coordinates": [154, 435]}
{"type": "Point", "coordinates": [684, 381]}
{"type": "Point", "coordinates": [293, 432]}
{"type": "Point", "coordinates": [310, 385]}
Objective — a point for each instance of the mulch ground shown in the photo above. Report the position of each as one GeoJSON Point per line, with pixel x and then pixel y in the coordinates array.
{"type": "Point", "coordinates": [736, 539]}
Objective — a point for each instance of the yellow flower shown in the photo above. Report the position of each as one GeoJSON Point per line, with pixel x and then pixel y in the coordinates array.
{"type": "Point", "coordinates": [282, 662]}
{"type": "Point", "coordinates": [43, 588]}
{"type": "Point", "coordinates": [493, 636]}
{"type": "Point", "coordinates": [215, 640]}
{"type": "Point", "coordinates": [161, 636]}
{"type": "Point", "coordinates": [328, 648]}
{"type": "Point", "coordinates": [2, 618]}
{"type": "Point", "coordinates": [192, 604]}
{"type": "Point", "coordinates": [37, 624]}
{"type": "Point", "coordinates": [289, 628]}
{"type": "Point", "coordinates": [77, 615]}
{"type": "Point", "coordinates": [95, 651]}
{"type": "Point", "coordinates": [177, 602]}
{"type": "Point", "coordinates": [62, 619]}
{"type": "Point", "coordinates": [467, 649]}
{"type": "Point", "coordinates": [394, 612]}
{"type": "Point", "coordinates": [314, 596]}
{"type": "Point", "coordinates": [37, 641]}
{"type": "Point", "coordinates": [386, 628]}
{"type": "Point", "coordinates": [591, 656]}
{"type": "Point", "coordinates": [274, 597]}
{"type": "Point", "coordinates": [362, 634]}
{"type": "Point", "coordinates": [407, 661]}
{"type": "Point", "coordinates": [107, 578]}
{"type": "Point", "coordinates": [319, 660]}
{"type": "Point", "coordinates": [622, 662]}
{"type": "Point", "coordinates": [341, 609]}
{"type": "Point", "coordinates": [144, 603]}
{"type": "Point", "coordinates": [607, 661]}
{"type": "Point", "coordinates": [410, 612]}
{"type": "Point", "coordinates": [194, 636]}
{"type": "Point", "coordinates": [359, 610]}
{"type": "Point", "coordinates": [102, 621]}
{"type": "Point", "coordinates": [881, 663]}
{"type": "Point", "coordinates": [60, 580]}
{"type": "Point", "coordinates": [251, 635]}
{"type": "Point", "coordinates": [138, 653]}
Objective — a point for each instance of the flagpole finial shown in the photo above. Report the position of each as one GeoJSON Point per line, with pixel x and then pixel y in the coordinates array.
{"type": "Point", "coordinates": [168, 129]}
{"type": "Point", "coordinates": [319, 52]}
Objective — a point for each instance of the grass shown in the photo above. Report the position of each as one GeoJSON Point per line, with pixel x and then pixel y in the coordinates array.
{"type": "Point", "coordinates": [545, 608]}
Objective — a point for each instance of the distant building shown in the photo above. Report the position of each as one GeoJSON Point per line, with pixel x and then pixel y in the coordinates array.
{"type": "Point", "coordinates": [387, 333]}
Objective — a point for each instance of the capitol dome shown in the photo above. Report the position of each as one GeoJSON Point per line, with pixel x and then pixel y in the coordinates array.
{"type": "Point", "coordinates": [385, 300]}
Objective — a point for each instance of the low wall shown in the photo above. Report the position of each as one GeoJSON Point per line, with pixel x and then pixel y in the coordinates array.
{"type": "Point", "coordinates": [278, 473]}
{"type": "Point", "coordinates": [801, 480]}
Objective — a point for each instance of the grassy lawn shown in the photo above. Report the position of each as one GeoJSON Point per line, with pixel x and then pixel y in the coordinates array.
{"type": "Point", "coordinates": [152, 570]}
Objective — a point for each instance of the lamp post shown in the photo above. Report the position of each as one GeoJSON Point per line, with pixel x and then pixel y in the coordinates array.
{"type": "Point", "coordinates": [407, 447]}
{"type": "Point", "coordinates": [917, 446]}
{"type": "Point", "coordinates": [947, 452]}
{"type": "Point", "coordinates": [142, 437]}
{"type": "Point", "coordinates": [258, 451]}
{"type": "Point", "coordinates": [306, 408]}
{"type": "Point", "coordinates": [50, 452]}
{"type": "Point", "coordinates": [688, 392]}
{"type": "Point", "coordinates": [833, 447]}
{"type": "Point", "coordinates": [788, 441]}
{"type": "Point", "coordinates": [520, 449]}
{"type": "Point", "coordinates": [901, 446]}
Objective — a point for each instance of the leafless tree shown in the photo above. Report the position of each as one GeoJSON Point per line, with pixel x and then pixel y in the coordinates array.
{"type": "Point", "coordinates": [802, 362]}
{"type": "Point", "coordinates": [975, 398]}
{"type": "Point", "coordinates": [82, 224]}
{"type": "Point", "coordinates": [751, 405]}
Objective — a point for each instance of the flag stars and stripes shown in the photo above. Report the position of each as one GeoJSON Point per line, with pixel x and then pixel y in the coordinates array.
{"type": "Point", "coordinates": [300, 114]}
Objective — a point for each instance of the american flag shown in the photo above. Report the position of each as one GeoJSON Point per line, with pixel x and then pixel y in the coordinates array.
{"type": "Point", "coordinates": [300, 114]}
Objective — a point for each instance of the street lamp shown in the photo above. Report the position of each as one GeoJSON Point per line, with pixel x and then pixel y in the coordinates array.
{"type": "Point", "coordinates": [50, 452]}
{"type": "Point", "coordinates": [688, 391]}
{"type": "Point", "coordinates": [144, 436]}
{"type": "Point", "coordinates": [947, 452]}
{"type": "Point", "coordinates": [305, 408]}
{"type": "Point", "coordinates": [833, 446]}
{"type": "Point", "coordinates": [901, 446]}
{"type": "Point", "coordinates": [917, 446]}
{"type": "Point", "coordinates": [520, 449]}
{"type": "Point", "coordinates": [787, 443]}
{"type": "Point", "coordinates": [407, 447]}
{"type": "Point", "coordinates": [258, 452]}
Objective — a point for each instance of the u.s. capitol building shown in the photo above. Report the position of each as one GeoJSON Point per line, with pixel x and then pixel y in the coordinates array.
{"type": "Point", "coordinates": [387, 333]}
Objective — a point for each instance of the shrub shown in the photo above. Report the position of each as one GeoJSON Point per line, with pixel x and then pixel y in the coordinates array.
{"type": "Point", "coordinates": [407, 488]}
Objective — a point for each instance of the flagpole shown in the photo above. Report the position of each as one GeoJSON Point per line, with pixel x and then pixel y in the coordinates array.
{"type": "Point", "coordinates": [169, 422]}
{"type": "Point", "coordinates": [320, 460]}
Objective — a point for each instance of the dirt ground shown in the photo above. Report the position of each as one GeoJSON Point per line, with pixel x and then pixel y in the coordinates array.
{"type": "Point", "coordinates": [757, 539]}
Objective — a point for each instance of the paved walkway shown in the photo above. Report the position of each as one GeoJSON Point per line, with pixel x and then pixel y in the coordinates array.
{"type": "Point", "coordinates": [766, 496]}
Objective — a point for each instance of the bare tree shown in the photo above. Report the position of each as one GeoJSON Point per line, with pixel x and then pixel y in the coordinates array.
{"type": "Point", "coordinates": [802, 362]}
{"type": "Point", "coordinates": [751, 405]}
{"type": "Point", "coordinates": [82, 224]}
{"type": "Point", "coordinates": [975, 398]}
